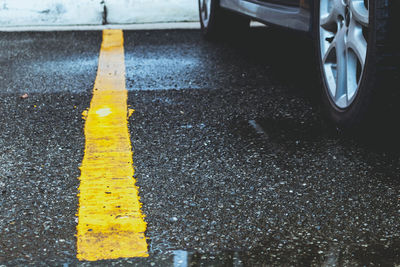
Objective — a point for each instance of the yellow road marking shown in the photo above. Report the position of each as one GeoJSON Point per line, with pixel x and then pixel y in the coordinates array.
{"type": "Point", "coordinates": [110, 222]}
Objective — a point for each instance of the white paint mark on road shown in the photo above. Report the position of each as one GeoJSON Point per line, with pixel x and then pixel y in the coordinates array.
{"type": "Point", "coordinates": [180, 258]}
{"type": "Point", "coordinates": [103, 112]}
{"type": "Point", "coordinates": [257, 127]}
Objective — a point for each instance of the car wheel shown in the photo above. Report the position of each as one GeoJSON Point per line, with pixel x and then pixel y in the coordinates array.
{"type": "Point", "coordinates": [216, 22]}
{"type": "Point", "coordinates": [355, 51]}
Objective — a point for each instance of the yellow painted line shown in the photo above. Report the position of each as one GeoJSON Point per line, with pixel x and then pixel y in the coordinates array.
{"type": "Point", "coordinates": [110, 223]}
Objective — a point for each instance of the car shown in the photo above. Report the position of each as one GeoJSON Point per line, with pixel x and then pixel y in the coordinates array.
{"type": "Point", "coordinates": [356, 50]}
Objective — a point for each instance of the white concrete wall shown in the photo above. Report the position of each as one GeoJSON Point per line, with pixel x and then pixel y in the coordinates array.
{"type": "Point", "coordinates": [151, 11]}
{"type": "Point", "coordinates": [90, 12]}
{"type": "Point", "coordinates": [50, 12]}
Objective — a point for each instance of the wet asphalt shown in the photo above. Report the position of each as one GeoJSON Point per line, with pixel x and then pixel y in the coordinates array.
{"type": "Point", "coordinates": [234, 159]}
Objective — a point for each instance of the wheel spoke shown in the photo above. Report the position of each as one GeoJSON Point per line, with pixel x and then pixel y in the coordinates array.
{"type": "Point", "coordinates": [352, 82]}
{"type": "Point", "coordinates": [341, 62]}
{"type": "Point", "coordinates": [357, 42]}
{"type": "Point", "coordinates": [205, 11]}
{"type": "Point", "coordinates": [328, 21]}
{"type": "Point", "coordinates": [330, 10]}
{"type": "Point", "coordinates": [328, 51]}
{"type": "Point", "coordinates": [359, 12]}
{"type": "Point", "coordinates": [208, 7]}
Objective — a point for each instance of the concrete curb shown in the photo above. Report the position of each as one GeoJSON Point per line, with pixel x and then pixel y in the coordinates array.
{"type": "Point", "coordinates": [145, 26]}
{"type": "Point", "coordinates": [138, 27]}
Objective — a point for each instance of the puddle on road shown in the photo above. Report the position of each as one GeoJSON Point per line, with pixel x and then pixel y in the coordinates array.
{"type": "Point", "coordinates": [161, 72]}
{"type": "Point", "coordinates": [380, 255]}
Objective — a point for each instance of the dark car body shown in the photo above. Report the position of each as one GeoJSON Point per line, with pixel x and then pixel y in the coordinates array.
{"type": "Point", "coordinates": [293, 14]}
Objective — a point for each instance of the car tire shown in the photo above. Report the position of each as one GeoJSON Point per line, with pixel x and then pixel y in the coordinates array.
{"type": "Point", "coordinates": [217, 22]}
{"type": "Point", "coordinates": [357, 60]}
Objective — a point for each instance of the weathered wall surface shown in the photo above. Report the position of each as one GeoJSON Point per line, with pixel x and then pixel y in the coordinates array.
{"type": "Point", "coordinates": [94, 12]}
{"type": "Point", "coordinates": [150, 11]}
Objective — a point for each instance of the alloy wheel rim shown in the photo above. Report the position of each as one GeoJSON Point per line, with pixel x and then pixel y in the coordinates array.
{"type": "Point", "coordinates": [343, 26]}
{"type": "Point", "coordinates": [205, 9]}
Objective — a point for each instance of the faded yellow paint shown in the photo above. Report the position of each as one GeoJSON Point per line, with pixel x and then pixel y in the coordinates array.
{"type": "Point", "coordinates": [130, 112]}
{"type": "Point", "coordinates": [110, 223]}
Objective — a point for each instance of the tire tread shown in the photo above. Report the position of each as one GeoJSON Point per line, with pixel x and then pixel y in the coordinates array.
{"type": "Point", "coordinates": [387, 59]}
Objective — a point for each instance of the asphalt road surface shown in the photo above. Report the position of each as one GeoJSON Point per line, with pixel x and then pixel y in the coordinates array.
{"type": "Point", "coordinates": [234, 161]}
